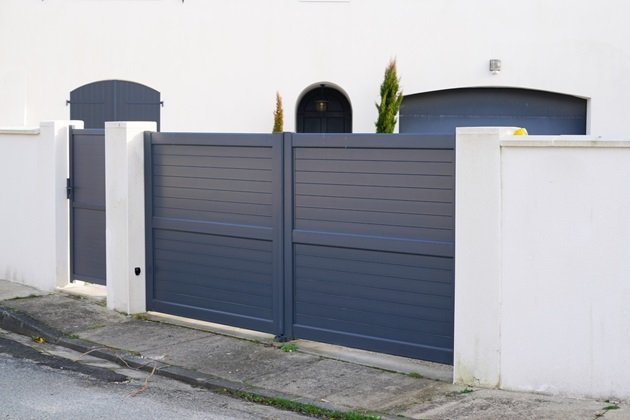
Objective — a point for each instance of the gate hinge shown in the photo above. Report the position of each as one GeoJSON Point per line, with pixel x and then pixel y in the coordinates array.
{"type": "Point", "coordinates": [69, 189]}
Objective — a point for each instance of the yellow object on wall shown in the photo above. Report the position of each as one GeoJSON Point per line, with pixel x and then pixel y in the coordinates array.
{"type": "Point", "coordinates": [520, 132]}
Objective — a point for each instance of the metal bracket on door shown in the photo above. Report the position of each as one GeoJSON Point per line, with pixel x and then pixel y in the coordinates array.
{"type": "Point", "coordinates": [69, 189]}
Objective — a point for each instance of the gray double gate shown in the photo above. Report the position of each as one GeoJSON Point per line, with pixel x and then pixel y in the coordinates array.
{"type": "Point", "coordinates": [345, 239]}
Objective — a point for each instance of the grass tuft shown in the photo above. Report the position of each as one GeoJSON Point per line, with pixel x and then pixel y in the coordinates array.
{"type": "Point", "coordinates": [289, 347]}
{"type": "Point", "coordinates": [302, 408]}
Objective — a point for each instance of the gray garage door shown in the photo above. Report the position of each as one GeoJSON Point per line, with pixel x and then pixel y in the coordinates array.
{"type": "Point", "coordinates": [346, 239]}
{"type": "Point", "coordinates": [440, 112]}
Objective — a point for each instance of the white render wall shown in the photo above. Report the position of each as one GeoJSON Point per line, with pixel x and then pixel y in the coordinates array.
{"type": "Point", "coordinates": [542, 268]}
{"type": "Point", "coordinates": [218, 64]}
{"type": "Point", "coordinates": [34, 242]}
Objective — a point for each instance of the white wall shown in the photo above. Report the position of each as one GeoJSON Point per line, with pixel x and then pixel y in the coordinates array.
{"type": "Point", "coordinates": [542, 295]}
{"type": "Point", "coordinates": [218, 64]}
{"type": "Point", "coordinates": [34, 212]}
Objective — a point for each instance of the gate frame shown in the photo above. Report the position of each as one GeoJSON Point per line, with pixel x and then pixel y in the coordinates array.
{"type": "Point", "coordinates": [283, 214]}
{"type": "Point", "coordinates": [276, 142]}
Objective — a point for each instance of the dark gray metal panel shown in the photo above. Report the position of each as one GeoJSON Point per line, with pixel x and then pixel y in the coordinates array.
{"type": "Point", "coordinates": [540, 112]}
{"type": "Point", "coordinates": [87, 210]}
{"type": "Point", "coordinates": [212, 230]}
{"type": "Point", "coordinates": [114, 100]}
{"type": "Point", "coordinates": [93, 104]}
{"type": "Point", "coordinates": [136, 102]}
{"type": "Point", "coordinates": [372, 242]}
{"type": "Point", "coordinates": [375, 171]}
{"type": "Point", "coordinates": [88, 245]}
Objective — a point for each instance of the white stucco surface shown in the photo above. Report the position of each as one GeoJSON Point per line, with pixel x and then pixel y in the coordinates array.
{"type": "Point", "coordinates": [218, 64]}
{"type": "Point", "coordinates": [566, 274]}
{"type": "Point", "coordinates": [542, 274]}
{"type": "Point", "coordinates": [34, 247]}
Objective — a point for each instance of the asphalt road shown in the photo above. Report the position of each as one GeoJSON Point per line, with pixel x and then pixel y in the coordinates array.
{"type": "Point", "coordinates": [39, 386]}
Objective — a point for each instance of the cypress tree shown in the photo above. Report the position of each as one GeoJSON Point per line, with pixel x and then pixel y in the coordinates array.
{"type": "Point", "coordinates": [278, 115]}
{"type": "Point", "coordinates": [391, 98]}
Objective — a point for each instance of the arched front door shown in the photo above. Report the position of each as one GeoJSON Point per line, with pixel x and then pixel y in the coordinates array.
{"type": "Point", "coordinates": [114, 100]}
{"type": "Point", "coordinates": [440, 112]}
{"type": "Point", "coordinates": [324, 110]}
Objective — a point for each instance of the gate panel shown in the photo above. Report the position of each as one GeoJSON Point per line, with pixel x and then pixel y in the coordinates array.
{"type": "Point", "coordinates": [214, 205]}
{"type": "Point", "coordinates": [370, 242]}
{"type": "Point", "coordinates": [87, 210]}
{"type": "Point", "coordinates": [335, 238]}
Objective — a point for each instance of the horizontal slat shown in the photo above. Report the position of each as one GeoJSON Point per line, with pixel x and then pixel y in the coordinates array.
{"type": "Point", "coordinates": [213, 162]}
{"type": "Point", "coordinates": [217, 316]}
{"type": "Point", "coordinates": [382, 180]}
{"type": "Point", "coordinates": [371, 305]}
{"type": "Point", "coordinates": [376, 141]}
{"type": "Point", "coordinates": [443, 195]}
{"type": "Point", "coordinates": [431, 333]}
{"type": "Point", "coordinates": [213, 293]}
{"type": "Point", "coordinates": [381, 218]}
{"type": "Point", "coordinates": [212, 206]}
{"type": "Point", "coordinates": [216, 195]}
{"type": "Point", "coordinates": [229, 273]}
{"type": "Point", "coordinates": [433, 283]}
{"type": "Point", "coordinates": [378, 256]}
{"type": "Point", "coordinates": [217, 250]}
{"type": "Point", "coordinates": [167, 236]}
{"type": "Point", "coordinates": [397, 347]}
{"type": "Point", "coordinates": [214, 217]}
{"type": "Point", "coordinates": [205, 173]}
{"type": "Point", "coordinates": [212, 150]}
{"type": "Point", "coordinates": [209, 304]}
{"type": "Point", "coordinates": [211, 261]}
{"type": "Point", "coordinates": [375, 204]}
{"type": "Point", "coordinates": [211, 280]}
{"type": "Point", "coordinates": [375, 167]}
{"type": "Point", "coordinates": [352, 232]}
{"type": "Point", "coordinates": [376, 155]}
{"type": "Point", "coordinates": [384, 297]}
{"type": "Point", "coordinates": [373, 268]}
{"type": "Point", "coordinates": [211, 184]}
{"type": "Point", "coordinates": [222, 229]}
{"type": "Point", "coordinates": [215, 139]}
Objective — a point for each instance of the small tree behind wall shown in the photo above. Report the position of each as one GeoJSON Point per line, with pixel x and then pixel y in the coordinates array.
{"type": "Point", "coordinates": [278, 115]}
{"type": "Point", "coordinates": [391, 98]}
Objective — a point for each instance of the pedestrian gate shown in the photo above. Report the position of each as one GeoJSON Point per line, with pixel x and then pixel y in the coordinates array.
{"type": "Point", "coordinates": [346, 239]}
{"type": "Point", "coordinates": [86, 191]}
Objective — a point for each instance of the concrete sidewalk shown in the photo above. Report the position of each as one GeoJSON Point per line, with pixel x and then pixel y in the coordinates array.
{"type": "Point", "coordinates": [237, 361]}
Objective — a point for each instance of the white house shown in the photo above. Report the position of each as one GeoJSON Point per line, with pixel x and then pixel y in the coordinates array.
{"type": "Point", "coordinates": [217, 65]}
{"type": "Point", "coordinates": [541, 234]}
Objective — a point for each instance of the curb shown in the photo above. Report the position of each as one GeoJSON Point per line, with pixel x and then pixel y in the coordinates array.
{"type": "Point", "coordinates": [24, 324]}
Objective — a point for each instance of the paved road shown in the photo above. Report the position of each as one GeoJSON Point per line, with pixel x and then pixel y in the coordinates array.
{"type": "Point", "coordinates": [35, 386]}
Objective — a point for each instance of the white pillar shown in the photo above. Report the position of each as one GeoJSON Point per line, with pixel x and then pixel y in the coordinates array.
{"type": "Point", "coordinates": [478, 255]}
{"type": "Point", "coordinates": [60, 130]}
{"type": "Point", "coordinates": [124, 186]}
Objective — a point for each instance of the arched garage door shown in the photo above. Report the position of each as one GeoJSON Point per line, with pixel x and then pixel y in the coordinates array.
{"type": "Point", "coordinates": [440, 112]}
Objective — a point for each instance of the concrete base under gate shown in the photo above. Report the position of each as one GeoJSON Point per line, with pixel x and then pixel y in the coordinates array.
{"type": "Point", "coordinates": [357, 356]}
